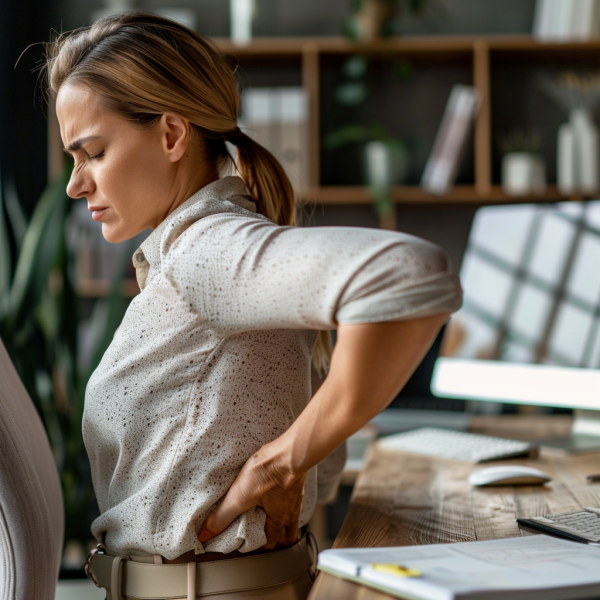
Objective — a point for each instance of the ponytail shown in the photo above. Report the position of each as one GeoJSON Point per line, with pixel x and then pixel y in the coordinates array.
{"type": "Point", "coordinates": [267, 181]}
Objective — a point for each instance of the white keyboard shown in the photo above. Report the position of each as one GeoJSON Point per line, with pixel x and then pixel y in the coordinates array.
{"type": "Point", "coordinates": [458, 445]}
{"type": "Point", "coordinates": [582, 525]}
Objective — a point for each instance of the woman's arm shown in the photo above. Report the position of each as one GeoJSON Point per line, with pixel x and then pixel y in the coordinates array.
{"type": "Point", "coordinates": [371, 362]}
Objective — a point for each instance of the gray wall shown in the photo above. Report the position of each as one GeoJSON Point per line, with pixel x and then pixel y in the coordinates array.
{"type": "Point", "coordinates": [324, 17]}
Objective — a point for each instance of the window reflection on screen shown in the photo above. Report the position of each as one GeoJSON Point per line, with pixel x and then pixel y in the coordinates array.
{"type": "Point", "coordinates": [531, 280]}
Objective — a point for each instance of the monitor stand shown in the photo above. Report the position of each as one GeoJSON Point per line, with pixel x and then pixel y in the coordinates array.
{"type": "Point", "coordinates": [584, 437]}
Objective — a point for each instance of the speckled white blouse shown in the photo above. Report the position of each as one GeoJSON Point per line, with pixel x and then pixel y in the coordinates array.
{"type": "Point", "coordinates": [212, 359]}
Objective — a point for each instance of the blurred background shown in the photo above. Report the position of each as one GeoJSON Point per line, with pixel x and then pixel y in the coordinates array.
{"type": "Point", "coordinates": [402, 114]}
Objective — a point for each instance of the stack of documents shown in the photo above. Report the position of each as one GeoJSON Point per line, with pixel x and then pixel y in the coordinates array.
{"type": "Point", "coordinates": [534, 567]}
{"type": "Point", "coordinates": [557, 20]}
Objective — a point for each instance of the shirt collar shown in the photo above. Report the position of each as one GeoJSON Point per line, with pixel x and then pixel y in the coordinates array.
{"type": "Point", "coordinates": [228, 194]}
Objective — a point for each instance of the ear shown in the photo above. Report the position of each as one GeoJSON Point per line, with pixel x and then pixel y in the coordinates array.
{"type": "Point", "coordinates": [175, 135]}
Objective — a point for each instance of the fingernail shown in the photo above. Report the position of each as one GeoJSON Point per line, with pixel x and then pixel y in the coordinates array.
{"type": "Point", "coordinates": [204, 536]}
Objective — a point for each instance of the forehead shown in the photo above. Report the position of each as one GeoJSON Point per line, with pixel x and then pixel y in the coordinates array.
{"type": "Point", "coordinates": [79, 112]}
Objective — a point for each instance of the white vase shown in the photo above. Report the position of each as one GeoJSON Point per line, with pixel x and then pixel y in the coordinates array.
{"type": "Point", "coordinates": [523, 173]}
{"type": "Point", "coordinates": [586, 155]}
{"type": "Point", "coordinates": [578, 154]}
{"type": "Point", "coordinates": [565, 160]}
{"type": "Point", "coordinates": [382, 167]}
{"type": "Point", "coordinates": [242, 13]}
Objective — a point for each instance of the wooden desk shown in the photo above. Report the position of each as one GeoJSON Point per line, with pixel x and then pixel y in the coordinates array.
{"type": "Point", "coordinates": [404, 499]}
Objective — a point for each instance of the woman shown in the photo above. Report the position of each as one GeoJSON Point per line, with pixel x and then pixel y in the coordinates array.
{"type": "Point", "coordinates": [202, 442]}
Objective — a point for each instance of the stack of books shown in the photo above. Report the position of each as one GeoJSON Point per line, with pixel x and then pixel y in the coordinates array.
{"type": "Point", "coordinates": [557, 20]}
{"type": "Point", "coordinates": [276, 118]}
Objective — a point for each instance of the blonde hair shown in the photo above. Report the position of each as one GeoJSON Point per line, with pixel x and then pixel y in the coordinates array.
{"type": "Point", "coordinates": [143, 65]}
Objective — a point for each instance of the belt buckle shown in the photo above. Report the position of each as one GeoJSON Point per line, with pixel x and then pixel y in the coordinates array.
{"type": "Point", "coordinates": [89, 573]}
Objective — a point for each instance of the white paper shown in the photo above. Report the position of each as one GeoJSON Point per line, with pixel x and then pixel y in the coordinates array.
{"type": "Point", "coordinates": [475, 569]}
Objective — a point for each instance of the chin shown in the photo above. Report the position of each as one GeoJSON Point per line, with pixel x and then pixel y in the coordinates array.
{"type": "Point", "coordinates": [114, 235]}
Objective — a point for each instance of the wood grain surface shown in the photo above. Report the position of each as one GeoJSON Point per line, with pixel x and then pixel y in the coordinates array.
{"type": "Point", "coordinates": [403, 499]}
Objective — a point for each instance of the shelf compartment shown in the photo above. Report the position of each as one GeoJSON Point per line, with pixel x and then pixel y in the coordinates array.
{"type": "Point", "coordinates": [349, 195]}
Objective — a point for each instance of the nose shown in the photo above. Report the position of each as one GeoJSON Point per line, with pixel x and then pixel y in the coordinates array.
{"type": "Point", "coordinates": [80, 184]}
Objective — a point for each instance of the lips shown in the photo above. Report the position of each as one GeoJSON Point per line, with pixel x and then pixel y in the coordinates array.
{"type": "Point", "coordinates": [97, 212]}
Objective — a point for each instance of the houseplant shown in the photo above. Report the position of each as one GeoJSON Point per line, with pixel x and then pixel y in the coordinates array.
{"type": "Point", "coordinates": [371, 20]}
{"type": "Point", "coordinates": [523, 167]}
{"type": "Point", "coordinates": [386, 159]}
{"type": "Point", "coordinates": [40, 321]}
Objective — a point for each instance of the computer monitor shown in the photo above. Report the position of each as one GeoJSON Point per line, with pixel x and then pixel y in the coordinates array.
{"type": "Point", "coordinates": [529, 328]}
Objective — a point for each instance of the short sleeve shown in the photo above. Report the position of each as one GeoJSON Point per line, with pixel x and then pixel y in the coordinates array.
{"type": "Point", "coordinates": [246, 273]}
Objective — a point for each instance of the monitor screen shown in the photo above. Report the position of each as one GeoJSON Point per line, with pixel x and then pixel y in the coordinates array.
{"type": "Point", "coordinates": [529, 328]}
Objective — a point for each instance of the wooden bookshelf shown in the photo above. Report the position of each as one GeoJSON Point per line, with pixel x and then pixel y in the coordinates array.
{"type": "Point", "coordinates": [414, 194]}
{"type": "Point", "coordinates": [476, 54]}
{"type": "Point", "coordinates": [477, 50]}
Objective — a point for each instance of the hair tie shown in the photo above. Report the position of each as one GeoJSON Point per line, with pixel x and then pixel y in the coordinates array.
{"type": "Point", "coordinates": [233, 135]}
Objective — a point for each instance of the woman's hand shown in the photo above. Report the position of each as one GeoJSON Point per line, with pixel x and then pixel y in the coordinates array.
{"type": "Point", "coordinates": [371, 362]}
{"type": "Point", "coordinates": [264, 481]}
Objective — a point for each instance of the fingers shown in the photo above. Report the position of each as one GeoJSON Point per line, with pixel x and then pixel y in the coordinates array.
{"type": "Point", "coordinates": [234, 504]}
{"type": "Point", "coordinates": [275, 532]}
{"type": "Point", "coordinates": [292, 533]}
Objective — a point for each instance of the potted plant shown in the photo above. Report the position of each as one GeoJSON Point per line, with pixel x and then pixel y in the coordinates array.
{"type": "Point", "coordinates": [40, 325]}
{"type": "Point", "coordinates": [373, 19]}
{"type": "Point", "coordinates": [523, 167]}
{"type": "Point", "coordinates": [385, 159]}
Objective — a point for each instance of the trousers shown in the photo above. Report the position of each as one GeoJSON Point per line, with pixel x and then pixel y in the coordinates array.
{"type": "Point", "coordinates": [286, 574]}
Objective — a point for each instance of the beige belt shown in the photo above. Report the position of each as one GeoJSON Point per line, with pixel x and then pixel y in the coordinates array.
{"type": "Point", "coordinates": [124, 578]}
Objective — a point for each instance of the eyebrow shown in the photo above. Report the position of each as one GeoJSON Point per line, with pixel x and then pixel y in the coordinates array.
{"type": "Point", "coordinates": [78, 143]}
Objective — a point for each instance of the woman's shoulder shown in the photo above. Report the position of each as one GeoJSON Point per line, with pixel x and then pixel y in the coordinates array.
{"type": "Point", "coordinates": [223, 236]}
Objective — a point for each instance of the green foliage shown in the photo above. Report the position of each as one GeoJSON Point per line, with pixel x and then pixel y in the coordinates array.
{"type": "Point", "coordinates": [521, 140]}
{"type": "Point", "coordinates": [350, 26]}
{"type": "Point", "coordinates": [39, 324]}
{"type": "Point", "coordinates": [361, 134]}
{"type": "Point", "coordinates": [351, 134]}
{"type": "Point", "coordinates": [382, 201]}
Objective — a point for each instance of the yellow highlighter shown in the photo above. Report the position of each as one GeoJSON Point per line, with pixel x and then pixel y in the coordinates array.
{"type": "Point", "coordinates": [395, 569]}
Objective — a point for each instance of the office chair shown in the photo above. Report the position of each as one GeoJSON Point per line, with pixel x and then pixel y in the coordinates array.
{"type": "Point", "coordinates": [31, 506]}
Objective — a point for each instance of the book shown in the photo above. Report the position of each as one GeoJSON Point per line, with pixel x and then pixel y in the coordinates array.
{"type": "Point", "coordinates": [563, 20]}
{"type": "Point", "coordinates": [536, 567]}
{"type": "Point", "coordinates": [543, 18]}
{"type": "Point", "coordinates": [443, 162]}
{"type": "Point", "coordinates": [276, 118]}
{"type": "Point", "coordinates": [564, 16]}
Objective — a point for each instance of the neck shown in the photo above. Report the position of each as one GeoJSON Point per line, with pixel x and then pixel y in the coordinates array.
{"type": "Point", "coordinates": [187, 190]}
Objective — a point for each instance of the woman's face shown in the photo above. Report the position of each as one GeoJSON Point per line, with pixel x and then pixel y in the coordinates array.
{"type": "Point", "coordinates": [132, 177]}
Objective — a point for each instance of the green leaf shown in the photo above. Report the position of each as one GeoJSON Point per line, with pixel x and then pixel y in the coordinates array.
{"type": "Point", "coordinates": [48, 317]}
{"type": "Point", "coordinates": [404, 70]}
{"type": "Point", "coordinates": [43, 386]}
{"type": "Point", "coordinates": [108, 314]}
{"type": "Point", "coordinates": [345, 135]}
{"type": "Point", "coordinates": [14, 210]}
{"type": "Point", "coordinates": [398, 148]}
{"type": "Point", "coordinates": [5, 257]}
{"type": "Point", "coordinates": [351, 93]}
{"type": "Point", "coordinates": [39, 250]}
{"type": "Point", "coordinates": [355, 67]}
{"type": "Point", "coordinates": [350, 29]}
{"type": "Point", "coordinates": [382, 202]}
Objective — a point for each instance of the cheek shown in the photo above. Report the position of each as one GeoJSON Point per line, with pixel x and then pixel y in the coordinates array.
{"type": "Point", "coordinates": [133, 182]}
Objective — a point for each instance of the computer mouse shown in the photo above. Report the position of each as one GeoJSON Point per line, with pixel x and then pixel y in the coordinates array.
{"type": "Point", "coordinates": [508, 475]}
